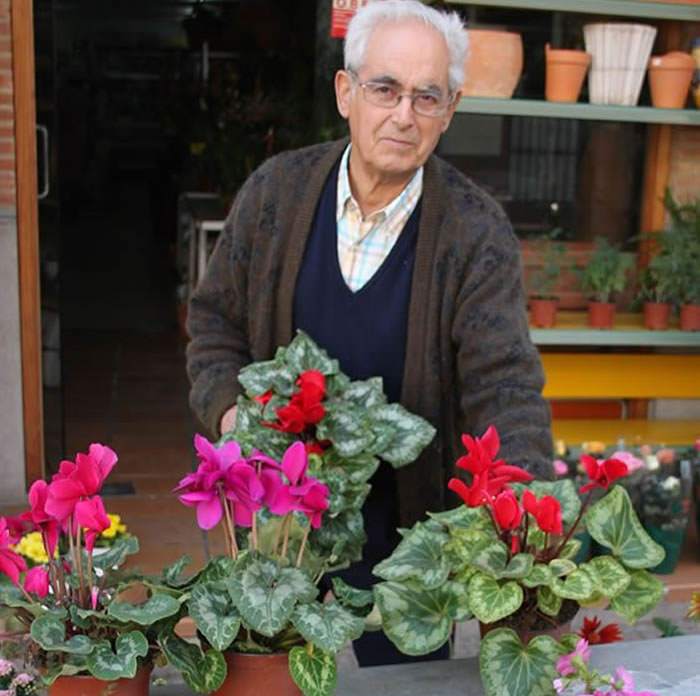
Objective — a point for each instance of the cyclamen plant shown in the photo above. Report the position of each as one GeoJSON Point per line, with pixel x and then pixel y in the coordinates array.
{"type": "Point", "coordinates": [505, 558]}
{"type": "Point", "coordinates": [75, 619]}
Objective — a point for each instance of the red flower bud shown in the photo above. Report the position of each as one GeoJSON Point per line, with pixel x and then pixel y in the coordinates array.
{"type": "Point", "coordinates": [546, 511]}
{"type": "Point", "coordinates": [507, 510]}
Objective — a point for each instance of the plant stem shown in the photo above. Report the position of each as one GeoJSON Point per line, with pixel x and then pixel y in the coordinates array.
{"type": "Point", "coordinates": [25, 593]}
{"type": "Point", "coordinates": [254, 531]}
{"type": "Point", "coordinates": [230, 532]}
{"type": "Point", "coordinates": [79, 554]}
{"type": "Point", "coordinates": [287, 526]}
{"type": "Point", "coordinates": [584, 506]}
{"type": "Point", "coordinates": [233, 529]}
{"type": "Point", "coordinates": [303, 545]}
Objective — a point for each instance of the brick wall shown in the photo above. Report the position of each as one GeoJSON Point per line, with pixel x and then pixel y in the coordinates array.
{"type": "Point", "coordinates": [7, 125]}
{"type": "Point", "coordinates": [684, 176]}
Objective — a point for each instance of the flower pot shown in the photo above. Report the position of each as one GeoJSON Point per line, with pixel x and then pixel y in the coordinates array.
{"type": "Point", "coordinates": [601, 315]}
{"type": "Point", "coordinates": [565, 73]}
{"type": "Point", "coordinates": [669, 79]}
{"type": "Point", "coordinates": [672, 541]}
{"type": "Point", "coordinates": [87, 685]}
{"type": "Point", "coordinates": [690, 317]}
{"type": "Point", "coordinates": [543, 313]}
{"type": "Point", "coordinates": [656, 315]}
{"type": "Point", "coordinates": [620, 53]}
{"type": "Point", "coordinates": [493, 63]}
{"type": "Point", "coordinates": [257, 675]}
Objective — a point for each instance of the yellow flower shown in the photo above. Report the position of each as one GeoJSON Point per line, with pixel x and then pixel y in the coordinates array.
{"type": "Point", "coordinates": [32, 547]}
{"type": "Point", "coordinates": [593, 447]}
{"type": "Point", "coordinates": [560, 448]}
{"type": "Point", "coordinates": [115, 527]}
{"type": "Point", "coordinates": [694, 610]}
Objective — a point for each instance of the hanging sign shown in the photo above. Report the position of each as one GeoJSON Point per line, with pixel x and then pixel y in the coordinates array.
{"type": "Point", "coordinates": [341, 14]}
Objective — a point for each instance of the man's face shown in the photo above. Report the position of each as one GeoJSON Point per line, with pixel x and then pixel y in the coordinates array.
{"type": "Point", "coordinates": [394, 142]}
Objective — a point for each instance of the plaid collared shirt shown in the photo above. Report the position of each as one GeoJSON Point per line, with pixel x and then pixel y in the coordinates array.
{"type": "Point", "coordinates": [363, 244]}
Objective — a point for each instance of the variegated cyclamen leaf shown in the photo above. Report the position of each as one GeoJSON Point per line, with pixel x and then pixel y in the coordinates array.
{"type": "Point", "coordinates": [608, 575]}
{"type": "Point", "coordinates": [49, 631]}
{"type": "Point", "coordinates": [60, 670]}
{"type": "Point", "coordinates": [313, 671]}
{"type": "Point", "coordinates": [561, 567]}
{"type": "Point", "coordinates": [266, 594]}
{"type": "Point", "coordinates": [358, 469]}
{"type": "Point", "coordinates": [571, 549]}
{"type": "Point", "coordinates": [642, 594]}
{"type": "Point", "coordinates": [328, 626]}
{"type": "Point", "coordinates": [117, 553]}
{"type": "Point", "coordinates": [508, 668]}
{"type": "Point", "coordinates": [303, 354]}
{"type": "Point", "coordinates": [158, 606]}
{"type": "Point", "coordinates": [613, 523]}
{"type": "Point", "coordinates": [518, 567]}
{"type": "Point", "coordinates": [366, 393]}
{"type": "Point", "coordinates": [108, 665]}
{"type": "Point", "coordinates": [491, 558]}
{"type": "Point", "coordinates": [418, 555]}
{"type": "Point", "coordinates": [347, 427]}
{"type": "Point", "coordinates": [11, 596]}
{"type": "Point", "coordinates": [350, 596]}
{"type": "Point", "coordinates": [411, 434]}
{"type": "Point", "coordinates": [577, 585]}
{"type": "Point", "coordinates": [475, 519]}
{"type": "Point", "coordinates": [202, 672]}
{"type": "Point", "coordinates": [491, 600]}
{"type": "Point", "coordinates": [340, 538]}
{"type": "Point", "coordinates": [539, 575]}
{"type": "Point", "coordinates": [172, 574]}
{"type": "Point", "coordinates": [548, 602]}
{"type": "Point", "coordinates": [215, 614]}
{"type": "Point", "coordinates": [565, 492]}
{"type": "Point", "coordinates": [259, 377]}
{"type": "Point", "coordinates": [415, 619]}
{"type": "Point", "coordinates": [460, 607]}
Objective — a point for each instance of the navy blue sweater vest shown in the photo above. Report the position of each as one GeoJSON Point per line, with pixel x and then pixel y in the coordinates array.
{"type": "Point", "coordinates": [364, 330]}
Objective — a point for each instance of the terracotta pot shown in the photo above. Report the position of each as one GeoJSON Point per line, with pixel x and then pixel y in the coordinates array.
{"type": "Point", "coordinates": [257, 675]}
{"type": "Point", "coordinates": [656, 315]}
{"type": "Point", "coordinates": [543, 313]}
{"type": "Point", "coordinates": [493, 64]}
{"type": "Point", "coordinates": [690, 317]}
{"type": "Point", "coordinates": [669, 79]}
{"type": "Point", "coordinates": [566, 71]}
{"type": "Point", "coordinates": [85, 685]}
{"type": "Point", "coordinates": [601, 315]}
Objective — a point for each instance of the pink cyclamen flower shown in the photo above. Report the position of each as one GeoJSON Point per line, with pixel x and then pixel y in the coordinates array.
{"type": "Point", "coordinates": [633, 463]}
{"type": "Point", "coordinates": [623, 683]}
{"type": "Point", "coordinates": [245, 490]}
{"type": "Point", "coordinates": [560, 467]}
{"type": "Point", "coordinates": [90, 514]}
{"type": "Point", "coordinates": [94, 597]}
{"type": "Point", "coordinates": [11, 563]}
{"type": "Point", "coordinates": [77, 480]}
{"type": "Point", "coordinates": [565, 665]}
{"type": "Point", "coordinates": [36, 581]}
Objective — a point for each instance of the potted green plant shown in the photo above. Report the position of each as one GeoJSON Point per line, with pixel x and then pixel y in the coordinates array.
{"type": "Point", "coordinates": [656, 293]}
{"type": "Point", "coordinates": [505, 558]}
{"type": "Point", "coordinates": [542, 281]}
{"type": "Point", "coordinates": [289, 516]}
{"type": "Point", "coordinates": [604, 275]}
{"type": "Point", "coordinates": [77, 627]}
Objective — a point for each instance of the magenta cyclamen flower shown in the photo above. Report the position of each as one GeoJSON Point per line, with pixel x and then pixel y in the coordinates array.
{"type": "Point", "coordinates": [90, 514]}
{"type": "Point", "coordinates": [36, 581]}
{"type": "Point", "coordinates": [565, 665]}
{"type": "Point", "coordinates": [11, 563]}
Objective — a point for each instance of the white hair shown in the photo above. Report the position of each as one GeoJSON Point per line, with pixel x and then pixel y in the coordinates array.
{"type": "Point", "coordinates": [376, 12]}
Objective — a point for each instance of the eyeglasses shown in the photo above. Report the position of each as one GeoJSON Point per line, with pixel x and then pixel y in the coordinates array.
{"type": "Point", "coordinates": [388, 96]}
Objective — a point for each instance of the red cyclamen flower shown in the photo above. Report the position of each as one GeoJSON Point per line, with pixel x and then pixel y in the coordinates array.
{"type": "Point", "coordinates": [596, 635]}
{"type": "Point", "coordinates": [546, 510]}
{"type": "Point", "coordinates": [11, 563]}
{"type": "Point", "coordinates": [507, 510]}
{"type": "Point", "coordinates": [602, 473]}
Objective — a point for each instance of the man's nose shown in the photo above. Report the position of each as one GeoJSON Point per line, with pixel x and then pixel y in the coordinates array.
{"type": "Point", "coordinates": [403, 114]}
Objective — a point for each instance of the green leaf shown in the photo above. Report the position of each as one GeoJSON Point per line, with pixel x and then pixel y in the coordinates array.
{"type": "Point", "coordinates": [577, 585]}
{"type": "Point", "coordinates": [608, 575]}
{"type": "Point", "coordinates": [303, 354]}
{"type": "Point", "coordinates": [561, 567]}
{"type": "Point", "coordinates": [313, 671]}
{"type": "Point", "coordinates": [468, 518]}
{"type": "Point", "coordinates": [258, 377]}
{"type": "Point", "coordinates": [358, 469]}
{"type": "Point", "coordinates": [415, 619]}
{"type": "Point", "coordinates": [215, 614]}
{"type": "Point", "coordinates": [565, 492]}
{"type": "Point", "coordinates": [642, 594]}
{"type": "Point", "coordinates": [328, 626]}
{"type": "Point", "coordinates": [351, 597]}
{"type": "Point", "coordinates": [366, 393]}
{"type": "Point", "coordinates": [12, 597]}
{"type": "Point", "coordinates": [539, 575]}
{"type": "Point", "coordinates": [667, 628]}
{"type": "Point", "coordinates": [410, 434]}
{"type": "Point", "coordinates": [340, 538]}
{"type": "Point", "coordinates": [460, 609]}
{"type": "Point", "coordinates": [158, 606]}
{"type": "Point", "coordinates": [266, 594]}
{"type": "Point", "coordinates": [548, 602]}
{"type": "Point", "coordinates": [63, 669]}
{"type": "Point", "coordinates": [105, 664]}
{"type": "Point", "coordinates": [571, 549]}
{"type": "Point", "coordinates": [613, 523]}
{"type": "Point", "coordinates": [347, 427]}
{"type": "Point", "coordinates": [49, 631]}
{"type": "Point", "coordinates": [218, 568]}
{"type": "Point", "coordinates": [518, 567]}
{"type": "Point", "coordinates": [491, 601]}
{"type": "Point", "coordinates": [418, 555]}
{"type": "Point", "coordinates": [491, 559]}
{"type": "Point", "coordinates": [203, 672]}
{"type": "Point", "coordinates": [171, 574]}
{"type": "Point", "coordinates": [116, 554]}
{"type": "Point", "coordinates": [508, 668]}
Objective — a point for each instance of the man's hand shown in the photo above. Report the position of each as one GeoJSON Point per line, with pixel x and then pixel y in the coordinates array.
{"type": "Point", "coordinates": [228, 420]}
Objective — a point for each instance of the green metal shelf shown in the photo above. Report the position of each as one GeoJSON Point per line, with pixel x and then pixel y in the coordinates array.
{"type": "Point", "coordinates": [622, 8]}
{"type": "Point", "coordinates": [639, 338]}
{"type": "Point", "coordinates": [589, 112]}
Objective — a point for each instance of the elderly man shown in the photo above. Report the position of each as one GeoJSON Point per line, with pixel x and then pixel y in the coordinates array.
{"type": "Point", "coordinates": [393, 261]}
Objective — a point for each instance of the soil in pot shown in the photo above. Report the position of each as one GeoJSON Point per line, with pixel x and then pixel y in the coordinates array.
{"type": "Point", "coordinates": [565, 73]}
{"type": "Point", "coordinates": [690, 317]}
{"type": "Point", "coordinates": [87, 685]}
{"type": "Point", "coordinates": [601, 315]}
{"type": "Point", "coordinates": [257, 675]}
{"type": "Point", "coordinates": [543, 313]}
{"type": "Point", "coordinates": [670, 76]}
{"type": "Point", "coordinates": [656, 315]}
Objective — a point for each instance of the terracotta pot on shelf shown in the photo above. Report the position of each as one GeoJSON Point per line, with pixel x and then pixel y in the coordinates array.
{"type": "Point", "coordinates": [493, 63]}
{"type": "Point", "coordinates": [565, 73]}
{"type": "Point", "coordinates": [543, 313]}
{"type": "Point", "coordinates": [257, 675]}
{"type": "Point", "coordinates": [87, 685]}
{"type": "Point", "coordinates": [601, 315]}
{"type": "Point", "coordinates": [656, 315]}
{"type": "Point", "coordinates": [669, 79]}
{"type": "Point", "coordinates": [690, 317]}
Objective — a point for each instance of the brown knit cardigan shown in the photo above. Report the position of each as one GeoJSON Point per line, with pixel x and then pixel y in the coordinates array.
{"type": "Point", "coordinates": [469, 358]}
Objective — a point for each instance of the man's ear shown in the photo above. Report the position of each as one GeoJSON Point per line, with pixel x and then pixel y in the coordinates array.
{"type": "Point", "coordinates": [447, 118]}
{"type": "Point", "coordinates": [343, 92]}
